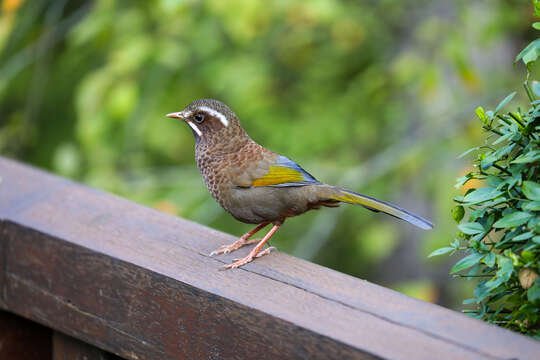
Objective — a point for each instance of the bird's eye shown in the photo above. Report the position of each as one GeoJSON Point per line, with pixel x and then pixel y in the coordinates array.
{"type": "Point", "coordinates": [199, 117]}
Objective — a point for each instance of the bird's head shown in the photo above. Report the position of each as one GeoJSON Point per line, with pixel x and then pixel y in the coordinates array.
{"type": "Point", "coordinates": [208, 117]}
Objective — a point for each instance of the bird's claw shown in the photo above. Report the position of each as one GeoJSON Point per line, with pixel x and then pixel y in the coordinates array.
{"type": "Point", "coordinates": [224, 249]}
{"type": "Point", "coordinates": [266, 251]}
{"type": "Point", "coordinates": [239, 262]}
{"type": "Point", "coordinates": [243, 261]}
{"type": "Point", "coordinates": [261, 253]}
{"type": "Point", "coordinates": [227, 249]}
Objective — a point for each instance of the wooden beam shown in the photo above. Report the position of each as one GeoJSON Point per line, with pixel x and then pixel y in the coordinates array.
{"type": "Point", "coordinates": [21, 339]}
{"type": "Point", "coordinates": [140, 284]}
{"type": "Point", "coordinates": [68, 348]}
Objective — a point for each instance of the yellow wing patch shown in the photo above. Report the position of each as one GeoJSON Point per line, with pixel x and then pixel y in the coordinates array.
{"type": "Point", "coordinates": [279, 175]}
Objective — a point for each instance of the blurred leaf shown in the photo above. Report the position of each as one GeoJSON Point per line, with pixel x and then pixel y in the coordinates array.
{"type": "Point", "coordinates": [480, 195]}
{"type": "Point", "coordinates": [441, 251]}
{"type": "Point", "coordinates": [531, 156]}
{"type": "Point", "coordinates": [531, 190]}
{"type": "Point", "coordinates": [461, 181]}
{"type": "Point", "coordinates": [420, 289]}
{"type": "Point", "coordinates": [535, 85]}
{"type": "Point", "coordinates": [495, 156]}
{"type": "Point", "coordinates": [532, 206]}
{"type": "Point", "coordinates": [481, 291]}
{"type": "Point", "coordinates": [481, 114]}
{"type": "Point", "coordinates": [505, 268]}
{"type": "Point", "coordinates": [533, 294]}
{"type": "Point", "coordinates": [490, 259]}
{"type": "Point", "coordinates": [377, 242]}
{"type": "Point", "coordinates": [468, 151]}
{"type": "Point", "coordinates": [67, 160]}
{"type": "Point", "coordinates": [457, 213]}
{"type": "Point", "coordinates": [466, 262]}
{"type": "Point", "coordinates": [523, 236]}
{"type": "Point", "coordinates": [512, 220]}
{"type": "Point", "coordinates": [471, 228]}
{"type": "Point", "coordinates": [505, 101]}
{"type": "Point", "coordinates": [530, 53]}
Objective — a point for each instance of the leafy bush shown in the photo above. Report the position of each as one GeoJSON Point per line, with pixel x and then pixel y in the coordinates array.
{"type": "Point", "coordinates": [499, 220]}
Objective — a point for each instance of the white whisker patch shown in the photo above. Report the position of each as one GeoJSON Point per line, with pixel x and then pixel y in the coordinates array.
{"type": "Point", "coordinates": [195, 128]}
{"type": "Point", "coordinates": [217, 114]}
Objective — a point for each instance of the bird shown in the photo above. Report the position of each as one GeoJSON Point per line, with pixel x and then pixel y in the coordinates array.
{"type": "Point", "coordinates": [258, 186]}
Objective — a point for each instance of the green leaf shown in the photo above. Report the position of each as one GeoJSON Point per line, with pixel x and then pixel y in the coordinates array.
{"type": "Point", "coordinates": [481, 114]}
{"type": "Point", "coordinates": [462, 180]}
{"type": "Point", "coordinates": [495, 155]}
{"type": "Point", "coordinates": [441, 251]}
{"type": "Point", "coordinates": [494, 283]}
{"type": "Point", "coordinates": [536, 4]}
{"type": "Point", "coordinates": [471, 228]}
{"type": "Point", "coordinates": [528, 255]}
{"type": "Point", "coordinates": [531, 190]}
{"type": "Point", "coordinates": [531, 206]}
{"type": "Point", "coordinates": [536, 25]}
{"type": "Point", "coordinates": [534, 223]}
{"type": "Point", "coordinates": [466, 262]}
{"type": "Point", "coordinates": [468, 151]}
{"type": "Point", "coordinates": [506, 264]}
{"type": "Point", "coordinates": [505, 101]}
{"type": "Point", "coordinates": [514, 219]}
{"type": "Point", "coordinates": [480, 195]}
{"type": "Point", "coordinates": [494, 181]}
{"type": "Point", "coordinates": [476, 214]}
{"type": "Point", "coordinates": [523, 236]}
{"type": "Point", "coordinates": [458, 212]}
{"type": "Point", "coordinates": [503, 138]}
{"type": "Point", "coordinates": [489, 260]}
{"type": "Point", "coordinates": [535, 86]}
{"type": "Point", "coordinates": [531, 156]}
{"type": "Point", "coordinates": [529, 54]}
{"type": "Point", "coordinates": [533, 294]}
{"type": "Point", "coordinates": [481, 291]}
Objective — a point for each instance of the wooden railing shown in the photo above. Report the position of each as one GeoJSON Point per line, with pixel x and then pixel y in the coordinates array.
{"type": "Point", "coordinates": [95, 273]}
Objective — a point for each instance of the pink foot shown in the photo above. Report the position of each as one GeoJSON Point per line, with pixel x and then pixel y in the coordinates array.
{"type": "Point", "coordinates": [251, 256]}
{"type": "Point", "coordinates": [225, 249]}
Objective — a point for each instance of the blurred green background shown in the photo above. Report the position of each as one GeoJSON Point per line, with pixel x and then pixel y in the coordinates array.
{"type": "Point", "coordinates": [376, 96]}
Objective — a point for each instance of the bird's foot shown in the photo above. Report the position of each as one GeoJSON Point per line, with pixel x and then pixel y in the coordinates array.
{"type": "Point", "coordinates": [249, 258]}
{"type": "Point", "coordinates": [225, 249]}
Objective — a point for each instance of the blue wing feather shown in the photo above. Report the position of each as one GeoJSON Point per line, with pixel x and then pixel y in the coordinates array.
{"type": "Point", "coordinates": [288, 163]}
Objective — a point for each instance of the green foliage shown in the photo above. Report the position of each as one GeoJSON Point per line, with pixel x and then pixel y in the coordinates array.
{"type": "Point", "coordinates": [501, 230]}
{"type": "Point", "coordinates": [361, 94]}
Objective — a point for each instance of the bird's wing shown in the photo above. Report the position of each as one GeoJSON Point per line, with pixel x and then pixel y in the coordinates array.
{"type": "Point", "coordinates": [284, 172]}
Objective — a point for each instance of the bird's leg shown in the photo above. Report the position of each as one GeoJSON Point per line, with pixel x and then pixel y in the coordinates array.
{"type": "Point", "coordinates": [256, 252]}
{"type": "Point", "coordinates": [244, 240]}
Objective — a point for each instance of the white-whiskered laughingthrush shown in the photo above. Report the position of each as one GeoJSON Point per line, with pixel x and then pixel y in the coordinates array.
{"type": "Point", "coordinates": [258, 186]}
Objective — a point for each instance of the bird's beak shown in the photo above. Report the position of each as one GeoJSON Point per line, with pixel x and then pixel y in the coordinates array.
{"type": "Point", "coordinates": [182, 115]}
{"type": "Point", "coordinates": [176, 115]}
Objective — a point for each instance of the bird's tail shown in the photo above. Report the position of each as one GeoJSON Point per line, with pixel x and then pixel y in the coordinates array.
{"type": "Point", "coordinates": [376, 205]}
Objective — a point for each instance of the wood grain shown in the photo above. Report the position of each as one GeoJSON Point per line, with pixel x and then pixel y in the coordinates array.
{"type": "Point", "coordinates": [68, 348]}
{"type": "Point", "coordinates": [139, 283]}
{"type": "Point", "coordinates": [21, 339]}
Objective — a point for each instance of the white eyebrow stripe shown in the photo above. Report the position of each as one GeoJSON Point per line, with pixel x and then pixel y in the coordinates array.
{"type": "Point", "coordinates": [195, 128]}
{"type": "Point", "coordinates": [217, 114]}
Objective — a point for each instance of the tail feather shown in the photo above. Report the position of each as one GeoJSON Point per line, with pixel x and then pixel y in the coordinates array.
{"type": "Point", "coordinates": [379, 205]}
